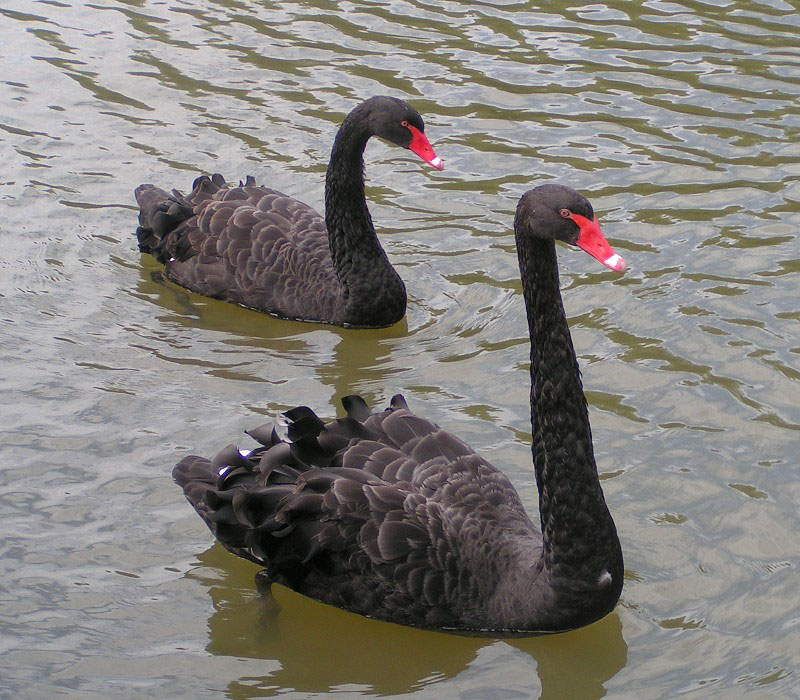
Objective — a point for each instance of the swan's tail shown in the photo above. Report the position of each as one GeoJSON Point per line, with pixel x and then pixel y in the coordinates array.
{"type": "Point", "coordinates": [269, 505]}
{"type": "Point", "coordinates": [161, 216]}
{"type": "Point", "coordinates": [203, 487]}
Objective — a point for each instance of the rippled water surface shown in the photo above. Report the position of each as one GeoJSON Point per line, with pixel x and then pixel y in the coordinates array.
{"type": "Point", "coordinates": [680, 120]}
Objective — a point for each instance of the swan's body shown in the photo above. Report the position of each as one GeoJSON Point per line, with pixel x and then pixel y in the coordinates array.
{"type": "Point", "coordinates": [389, 516]}
{"type": "Point", "coordinates": [256, 247]}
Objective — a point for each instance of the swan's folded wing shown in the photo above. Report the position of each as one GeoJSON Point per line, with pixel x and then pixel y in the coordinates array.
{"type": "Point", "coordinates": [377, 513]}
{"type": "Point", "coordinates": [252, 246]}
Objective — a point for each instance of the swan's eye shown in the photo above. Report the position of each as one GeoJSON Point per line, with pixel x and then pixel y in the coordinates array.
{"type": "Point", "coordinates": [404, 123]}
{"type": "Point", "coordinates": [566, 213]}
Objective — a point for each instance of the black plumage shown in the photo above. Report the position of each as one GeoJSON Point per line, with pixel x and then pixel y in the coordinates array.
{"type": "Point", "coordinates": [389, 516]}
{"type": "Point", "coordinates": [256, 247]}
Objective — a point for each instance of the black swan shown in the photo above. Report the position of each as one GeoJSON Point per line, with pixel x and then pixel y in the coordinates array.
{"type": "Point", "coordinates": [386, 515]}
{"type": "Point", "coordinates": [258, 248]}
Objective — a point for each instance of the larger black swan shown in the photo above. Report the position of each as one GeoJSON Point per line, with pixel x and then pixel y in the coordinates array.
{"type": "Point", "coordinates": [256, 247]}
{"type": "Point", "coordinates": [389, 516]}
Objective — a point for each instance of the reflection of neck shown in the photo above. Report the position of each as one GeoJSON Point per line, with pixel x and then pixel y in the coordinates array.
{"type": "Point", "coordinates": [374, 293]}
{"type": "Point", "coordinates": [577, 529]}
{"type": "Point", "coordinates": [602, 644]}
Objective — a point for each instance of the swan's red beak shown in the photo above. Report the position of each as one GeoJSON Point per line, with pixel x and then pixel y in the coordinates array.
{"type": "Point", "coordinates": [422, 147]}
{"type": "Point", "coordinates": [592, 240]}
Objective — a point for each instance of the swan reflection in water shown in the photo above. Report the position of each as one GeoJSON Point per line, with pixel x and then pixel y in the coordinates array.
{"type": "Point", "coordinates": [318, 648]}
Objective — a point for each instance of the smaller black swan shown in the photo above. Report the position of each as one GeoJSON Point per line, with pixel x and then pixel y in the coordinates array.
{"type": "Point", "coordinates": [389, 516]}
{"type": "Point", "coordinates": [258, 248]}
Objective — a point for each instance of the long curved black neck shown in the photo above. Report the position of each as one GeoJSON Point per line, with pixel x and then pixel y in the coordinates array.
{"type": "Point", "coordinates": [374, 293]}
{"type": "Point", "coordinates": [578, 533]}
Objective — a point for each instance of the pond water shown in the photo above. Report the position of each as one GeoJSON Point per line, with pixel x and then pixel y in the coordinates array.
{"type": "Point", "coordinates": [680, 120]}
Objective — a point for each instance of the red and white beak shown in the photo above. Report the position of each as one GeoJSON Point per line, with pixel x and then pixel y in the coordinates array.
{"type": "Point", "coordinates": [592, 240]}
{"type": "Point", "coordinates": [422, 147]}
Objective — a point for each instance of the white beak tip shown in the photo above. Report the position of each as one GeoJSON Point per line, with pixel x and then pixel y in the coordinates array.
{"type": "Point", "coordinates": [616, 263]}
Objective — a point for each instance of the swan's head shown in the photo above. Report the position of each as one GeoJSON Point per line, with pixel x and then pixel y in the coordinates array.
{"type": "Point", "coordinates": [555, 211]}
{"type": "Point", "coordinates": [398, 122]}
